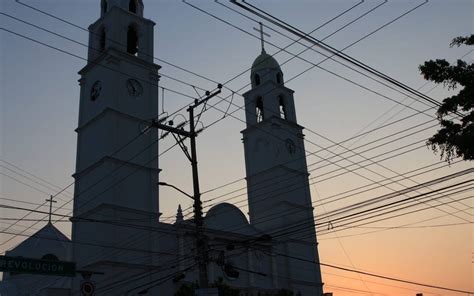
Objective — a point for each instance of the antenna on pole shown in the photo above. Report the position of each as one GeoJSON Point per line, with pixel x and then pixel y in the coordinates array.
{"type": "Point", "coordinates": [50, 200]}
{"type": "Point", "coordinates": [260, 30]}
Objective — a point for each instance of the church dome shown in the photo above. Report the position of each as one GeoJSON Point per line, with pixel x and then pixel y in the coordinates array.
{"type": "Point", "coordinates": [264, 61]}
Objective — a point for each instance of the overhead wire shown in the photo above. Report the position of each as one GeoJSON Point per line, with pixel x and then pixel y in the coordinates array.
{"type": "Point", "coordinates": [376, 231]}
{"type": "Point", "coordinates": [332, 216]}
{"type": "Point", "coordinates": [327, 57]}
{"type": "Point", "coordinates": [373, 274]}
{"type": "Point", "coordinates": [272, 217]}
{"type": "Point", "coordinates": [30, 179]}
{"type": "Point", "coordinates": [304, 229]}
{"type": "Point", "coordinates": [284, 25]}
{"type": "Point", "coordinates": [284, 49]}
{"type": "Point", "coordinates": [217, 17]}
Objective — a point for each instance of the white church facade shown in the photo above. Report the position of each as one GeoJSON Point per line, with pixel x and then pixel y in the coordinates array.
{"type": "Point", "coordinates": [117, 236]}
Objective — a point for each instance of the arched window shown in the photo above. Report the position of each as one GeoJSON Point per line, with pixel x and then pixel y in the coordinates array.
{"type": "Point", "coordinates": [102, 39]}
{"type": "Point", "coordinates": [104, 6]}
{"type": "Point", "coordinates": [279, 78]}
{"type": "Point", "coordinates": [259, 110]}
{"type": "Point", "coordinates": [257, 79]}
{"type": "Point", "coordinates": [281, 102]}
{"type": "Point", "coordinates": [132, 40]}
{"type": "Point", "coordinates": [132, 6]}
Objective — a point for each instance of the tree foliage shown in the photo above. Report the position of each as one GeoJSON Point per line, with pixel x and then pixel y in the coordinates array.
{"type": "Point", "coordinates": [456, 136]}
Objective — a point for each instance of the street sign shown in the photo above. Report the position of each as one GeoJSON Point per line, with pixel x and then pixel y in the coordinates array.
{"type": "Point", "coordinates": [87, 288]}
{"type": "Point", "coordinates": [35, 266]}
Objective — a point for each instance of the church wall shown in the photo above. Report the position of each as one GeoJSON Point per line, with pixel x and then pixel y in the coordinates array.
{"type": "Point", "coordinates": [278, 198]}
{"type": "Point", "coordinates": [111, 182]}
{"type": "Point", "coordinates": [269, 146]}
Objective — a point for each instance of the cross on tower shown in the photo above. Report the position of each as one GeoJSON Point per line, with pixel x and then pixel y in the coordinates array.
{"type": "Point", "coordinates": [261, 35]}
{"type": "Point", "coordinates": [50, 207]}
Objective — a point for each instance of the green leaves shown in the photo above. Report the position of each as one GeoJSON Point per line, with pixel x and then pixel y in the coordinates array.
{"type": "Point", "coordinates": [456, 136]}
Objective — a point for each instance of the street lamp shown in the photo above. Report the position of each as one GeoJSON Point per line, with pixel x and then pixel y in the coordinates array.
{"type": "Point", "coordinates": [176, 188]}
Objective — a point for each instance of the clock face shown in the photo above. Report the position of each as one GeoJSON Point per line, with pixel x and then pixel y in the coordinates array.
{"type": "Point", "coordinates": [290, 146]}
{"type": "Point", "coordinates": [134, 88]}
{"type": "Point", "coordinates": [95, 90]}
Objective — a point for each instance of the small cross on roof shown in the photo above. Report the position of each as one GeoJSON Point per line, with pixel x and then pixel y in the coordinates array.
{"type": "Point", "coordinates": [260, 30]}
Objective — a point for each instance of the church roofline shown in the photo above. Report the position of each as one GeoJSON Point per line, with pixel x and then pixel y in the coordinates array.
{"type": "Point", "coordinates": [216, 210]}
{"type": "Point", "coordinates": [60, 237]}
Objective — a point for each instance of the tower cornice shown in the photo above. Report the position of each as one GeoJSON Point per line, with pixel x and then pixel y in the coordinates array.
{"type": "Point", "coordinates": [112, 10]}
{"type": "Point", "coordinates": [262, 90]}
{"type": "Point", "coordinates": [110, 110]}
{"type": "Point", "coordinates": [272, 120]}
{"type": "Point", "coordinates": [111, 55]}
{"type": "Point", "coordinates": [121, 162]}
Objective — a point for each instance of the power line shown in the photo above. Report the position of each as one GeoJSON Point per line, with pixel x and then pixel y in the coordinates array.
{"type": "Point", "coordinates": [327, 57]}
{"type": "Point", "coordinates": [274, 20]}
{"type": "Point", "coordinates": [21, 201]}
{"type": "Point", "coordinates": [219, 19]}
{"type": "Point", "coordinates": [28, 178]}
{"type": "Point", "coordinates": [367, 211]}
{"type": "Point", "coordinates": [331, 146]}
{"type": "Point", "coordinates": [274, 216]}
{"type": "Point", "coordinates": [25, 184]}
{"type": "Point", "coordinates": [375, 231]}
{"type": "Point", "coordinates": [399, 215]}
{"type": "Point", "coordinates": [373, 274]}
{"type": "Point", "coordinates": [315, 180]}
{"type": "Point", "coordinates": [109, 39]}
{"type": "Point", "coordinates": [284, 49]}
{"type": "Point", "coordinates": [413, 227]}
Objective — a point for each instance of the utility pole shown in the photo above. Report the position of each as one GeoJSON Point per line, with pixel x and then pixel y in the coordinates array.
{"type": "Point", "coordinates": [180, 134]}
{"type": "Point", "coordinates": [201, 243]}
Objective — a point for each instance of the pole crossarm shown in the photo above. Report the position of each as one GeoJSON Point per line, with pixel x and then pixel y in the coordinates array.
{"type": "Point", "coordinates": [208, 96]}
{"type": "Point", "coordinates": [170, 129]}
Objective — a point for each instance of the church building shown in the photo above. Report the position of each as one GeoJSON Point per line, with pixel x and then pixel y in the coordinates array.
{"type": "Point", "coordinates": [118, 241]}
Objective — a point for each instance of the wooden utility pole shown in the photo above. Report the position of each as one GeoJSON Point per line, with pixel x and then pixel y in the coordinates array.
{"type": "Point", "coordinates": [201, 241]}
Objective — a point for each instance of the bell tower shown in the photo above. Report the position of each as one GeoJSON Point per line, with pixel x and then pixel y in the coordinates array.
{"type": "Point", "coordinates": [279, 194]}
{"type": "Point", "coordinates": [117, 157]}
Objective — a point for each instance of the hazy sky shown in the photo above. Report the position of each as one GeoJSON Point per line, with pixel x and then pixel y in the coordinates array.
{"type": "Point", "coordinates": [40, 97]}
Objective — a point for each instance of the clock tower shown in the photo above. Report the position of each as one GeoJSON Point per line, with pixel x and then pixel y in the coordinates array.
{"type": "Point", "coordinates": [116, 197]}
{"type": "Point", "coordinates": [279, 194]}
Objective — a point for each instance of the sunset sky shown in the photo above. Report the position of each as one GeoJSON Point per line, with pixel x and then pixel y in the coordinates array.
{"type": "Point", "coordinates": [39, 111]}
